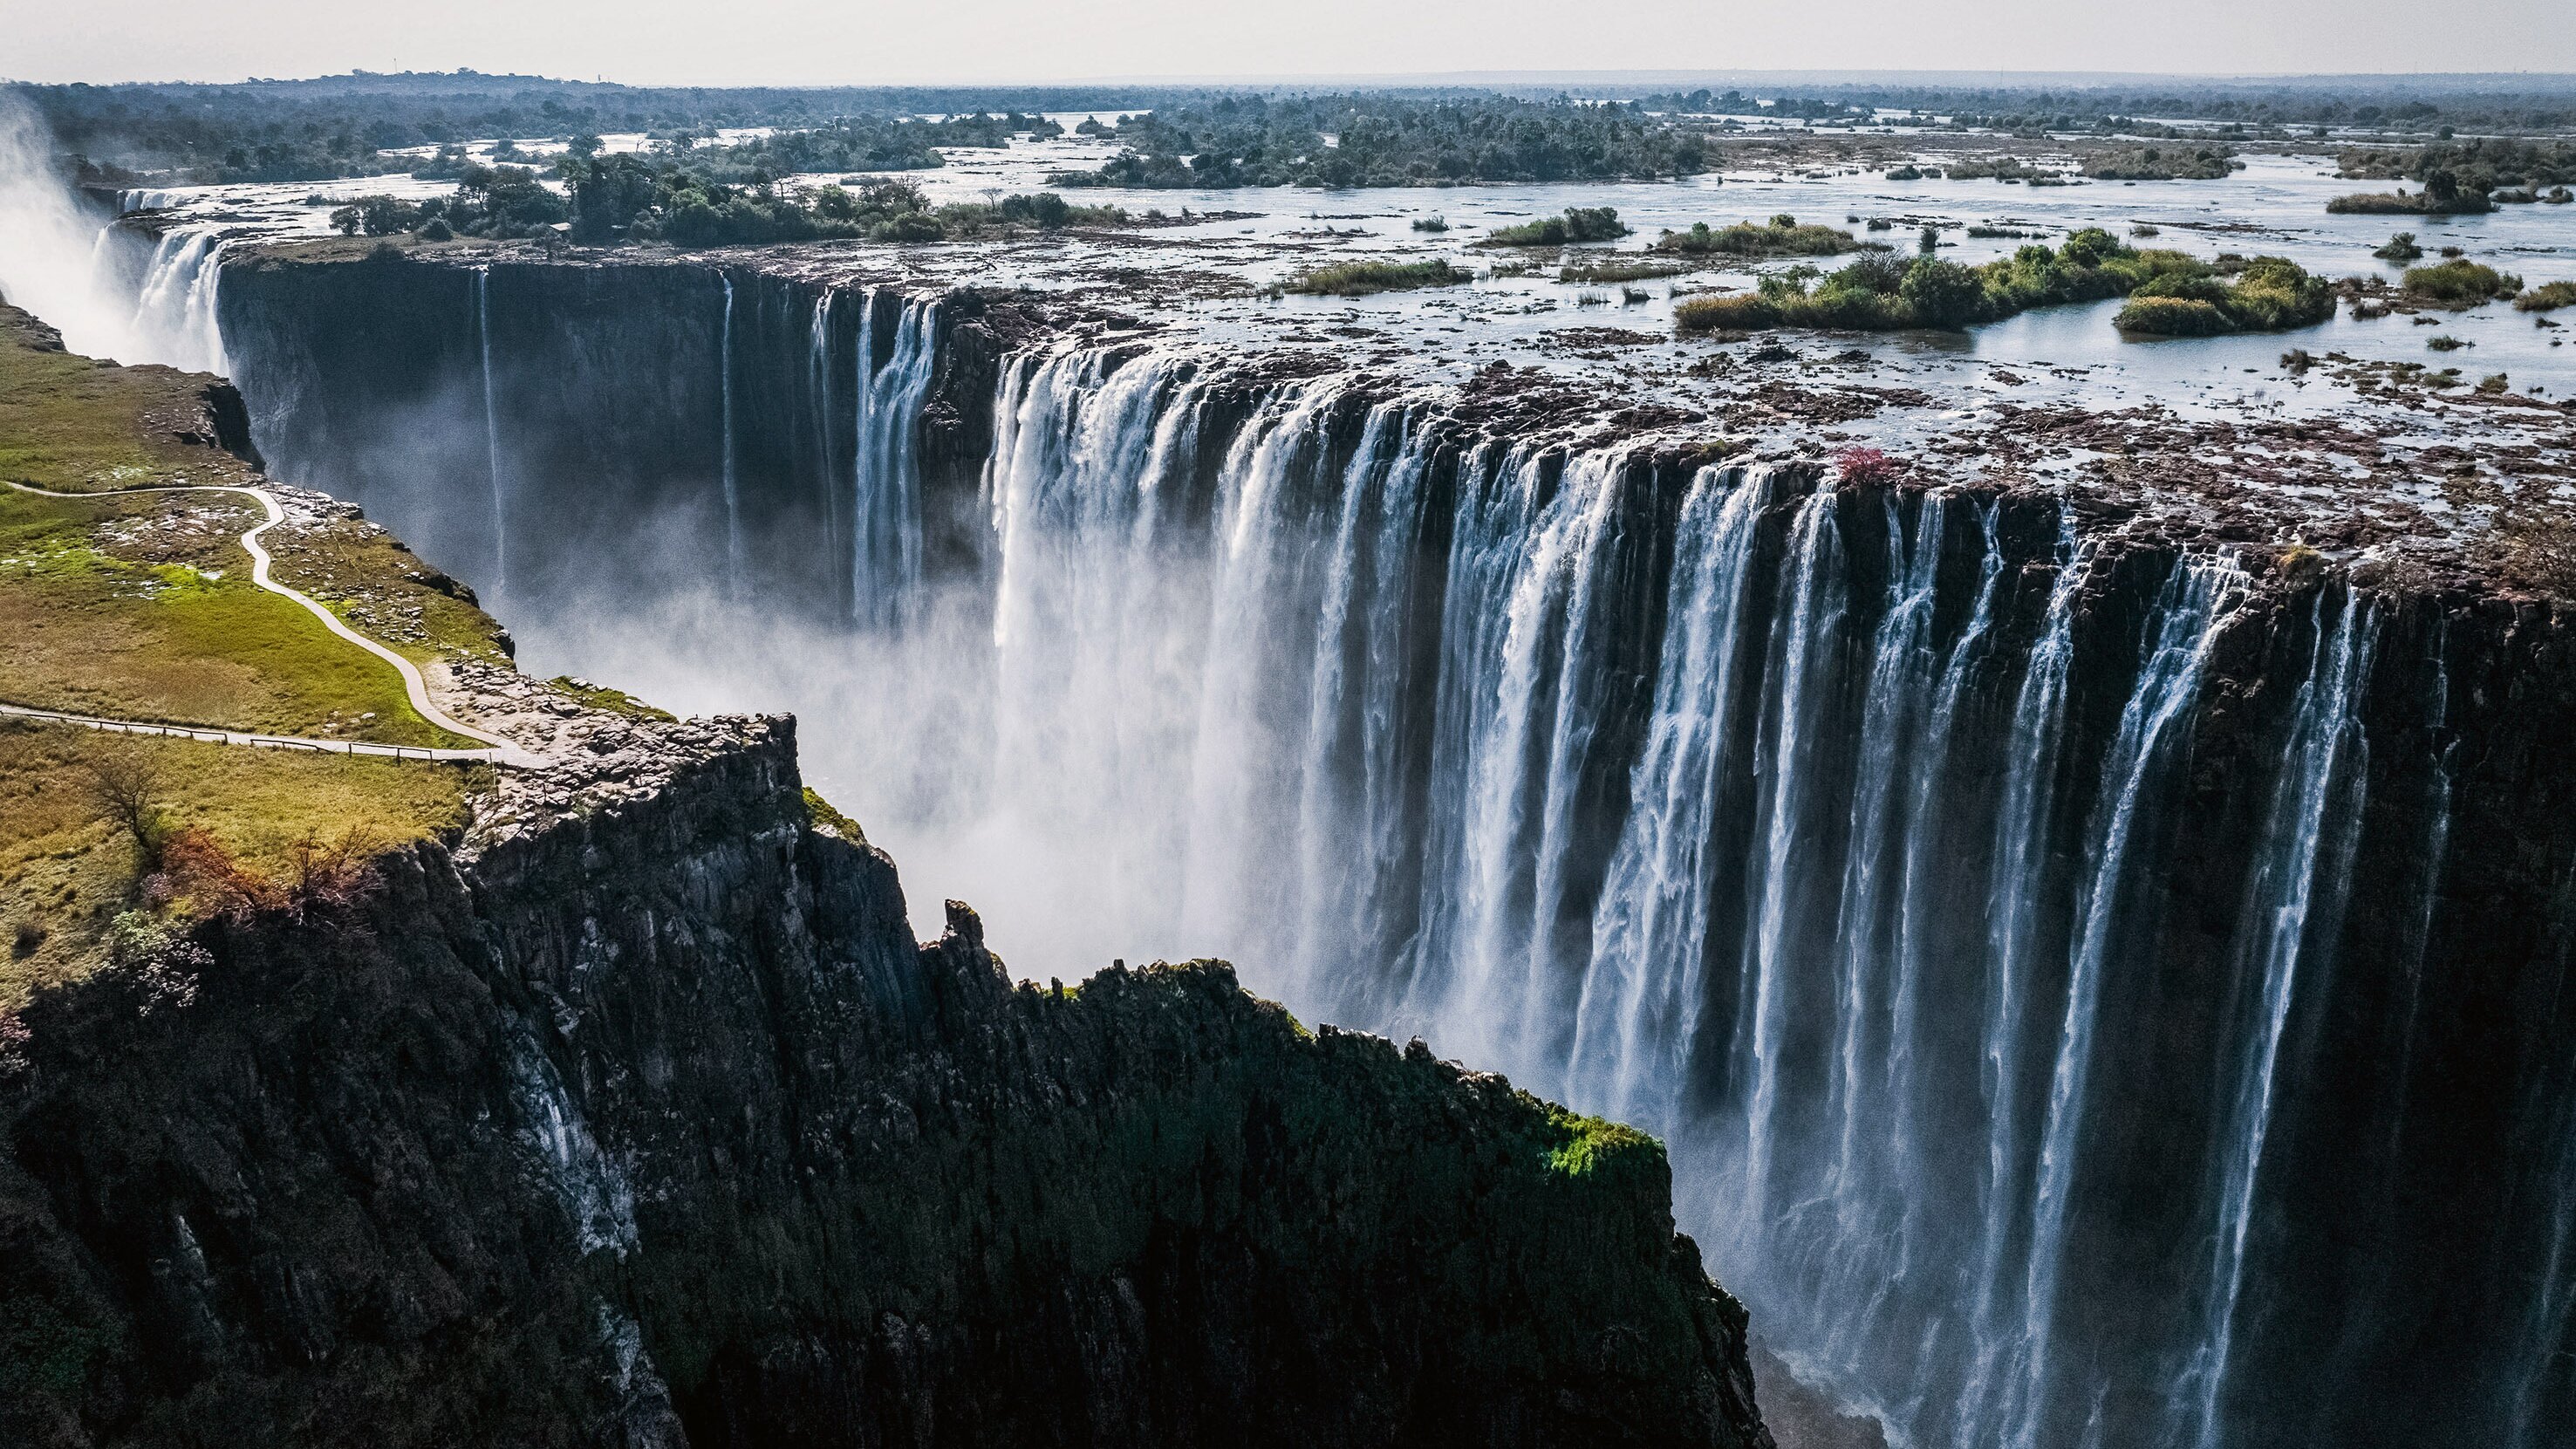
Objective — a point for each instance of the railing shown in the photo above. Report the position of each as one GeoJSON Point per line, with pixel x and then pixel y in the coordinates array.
{"type": "Point", "coordinates": [254, 740]}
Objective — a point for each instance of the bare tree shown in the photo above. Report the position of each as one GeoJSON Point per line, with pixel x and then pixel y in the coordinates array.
{"type": "Point", "coordinates": [127, 788]}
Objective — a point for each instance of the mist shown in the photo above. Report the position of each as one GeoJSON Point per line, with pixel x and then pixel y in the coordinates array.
{"type": "Point", "coordinates": [55, 259]}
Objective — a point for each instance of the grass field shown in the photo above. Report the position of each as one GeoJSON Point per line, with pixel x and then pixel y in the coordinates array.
{"type": "Point", "coordinates": [65, 872]}
{"type": "Point", "coordinates": [141, 606]}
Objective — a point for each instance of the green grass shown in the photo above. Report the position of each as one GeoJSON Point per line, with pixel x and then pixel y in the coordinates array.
{"type": "Point", "coordinates": [141, 606]}
{"type": "Point", "coordinates": [1782, 236]}
{"type": "Point", "coordinates": [2548, 297]}
{"type": "Point", "coordinates": [821, 812]}
{"type": "Point", "coordinates": [2460, 282]}
{"type": "Point", "coordinates": [75, 426]}
{"type": "Point", "coordinates": [65, 873]}
{"type": "Point", "coordinates": [1360, 279]}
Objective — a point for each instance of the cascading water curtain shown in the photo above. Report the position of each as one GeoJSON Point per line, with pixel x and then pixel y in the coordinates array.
{"type": "Point", "coordinates": [1840, 901]}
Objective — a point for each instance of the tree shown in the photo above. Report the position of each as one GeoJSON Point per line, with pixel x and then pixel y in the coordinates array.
{"type": "Point", "coordinates": [608, 193]}
{"type": "Point", "coordinates": [1943, 294]}
{"type": "Point", "coordinates": [127, 789]}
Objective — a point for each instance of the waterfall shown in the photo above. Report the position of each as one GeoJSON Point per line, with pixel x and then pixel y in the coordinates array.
{"type": "Point", "coordinates": [2023, 825]}
{"type": "Point", "coordinates": [885, 486]}
{"type": "Point", "coordinates": [492, 433]}
{"type": "Point", "coordinates": [2299, 872]}
{"type": "Point", "coordinates": [174, 319]}
{"type": "Point", "coordinates": [1633, 1025]}
{"type": "Point", "coordinates": [2199, 597]}
{"type": "Point", "coordinates": [732, 495]}
{"type": "Point", "coordinates": [1968, 897]}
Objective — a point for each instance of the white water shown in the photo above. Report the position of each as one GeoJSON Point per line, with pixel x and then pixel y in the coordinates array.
{"type": "Point", "coordinates": [885, 485]}
{"type": "Point", "coordinates": [732, 487]}
{"type": "Point", "coordinates": [492, 433]}
{"type": "Point", "coordinates": [2299, 872]}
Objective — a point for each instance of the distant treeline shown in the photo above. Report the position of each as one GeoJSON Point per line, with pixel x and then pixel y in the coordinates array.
{"type": "Point", "coordinates": [313, 130]}
{"type": "Point", "coordinates": [2403, 103]}
{"type": "Point", "coordinates": [338, 126]}
{"type": "Point", "coordinates": [1381, 139]}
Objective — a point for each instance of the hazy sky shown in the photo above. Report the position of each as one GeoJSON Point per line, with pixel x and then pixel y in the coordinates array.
{"type": "Point", "coordinates": [818, 41]}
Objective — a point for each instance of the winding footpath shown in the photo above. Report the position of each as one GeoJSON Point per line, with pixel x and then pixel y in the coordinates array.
{"type": "Point", "coordinates": [498, 751]}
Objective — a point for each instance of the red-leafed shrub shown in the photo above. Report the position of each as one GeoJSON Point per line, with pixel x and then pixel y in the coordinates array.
{"type": "Point", "coordinates": [1868, 467]}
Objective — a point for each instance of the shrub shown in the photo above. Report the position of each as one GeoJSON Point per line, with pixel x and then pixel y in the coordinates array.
{"type": "Point", "coordinates": [1620, 269]}
{"type": "Point", "coordinates": [2400, 248]}
{"type": "Point", "coordinates": [1943, 294]}
{"type": "Point", "coordinates": [2494, 382]}
{"type": "Point", "coordinates": [1578, 224]}
{"type": "Point", "coordinates": [2547, 298]}
{"type": "Point", "coordinates": [2460, 283]}
{"type": "Point", "coordinates": [2383, 203]}
{"type": "Point", "coordinates": [1783, 237]}
{"type": "Point", "coordinates": [2272, 294]}
{"type": "Point", "coordinates": [436, 229]}
{"type": "Point", "coordinates": [2172, 317]}
{"type": "Point", "coordinates": [1867, 467]}
{"type": "Point", "coordinates": [1434, 222]}
{"type": "Point", "coordinates": [2264, 294]}
{"type": "Point", "coordinates": [2442, 342]}
{"type": "Point", "coordinates": [1360, 279]}
{"type": "Point", "coordinates": [1734, 312]}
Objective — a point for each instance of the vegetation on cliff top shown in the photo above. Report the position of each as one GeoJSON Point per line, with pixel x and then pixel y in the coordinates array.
{"type": "Point", "coordinates": [626, 198]}
{"type": "Point", "coordinates": [139, 606]}
{"type": "Point", "coordinates": [215, 819]}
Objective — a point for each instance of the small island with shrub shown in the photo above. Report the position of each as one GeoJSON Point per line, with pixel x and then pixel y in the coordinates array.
{"type": "Point", "coordinates": [1880, 291]}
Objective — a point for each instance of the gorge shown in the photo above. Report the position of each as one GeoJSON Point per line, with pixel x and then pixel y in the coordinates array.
{"type": "Point", "coordinates": [2102, 980]}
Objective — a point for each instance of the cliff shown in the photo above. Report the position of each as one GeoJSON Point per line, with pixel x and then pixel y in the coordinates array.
{"type": "Point", "coordinates": [2131, 898]}
{"type": "Point", "coordinates": [642, 1120]}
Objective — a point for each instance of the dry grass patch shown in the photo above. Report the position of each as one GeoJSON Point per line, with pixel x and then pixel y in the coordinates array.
{"type": "Point", "coordinates": [66, 871]}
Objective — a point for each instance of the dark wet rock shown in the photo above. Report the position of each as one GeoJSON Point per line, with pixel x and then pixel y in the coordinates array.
{"type": "Point", "coordinates": [639, 1119]}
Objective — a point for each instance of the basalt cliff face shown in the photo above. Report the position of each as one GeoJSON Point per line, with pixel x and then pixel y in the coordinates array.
{"type": "Point", "coordinates": [637, 1117]}
{"type": "Point", "coordinates": [2103, 974]}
